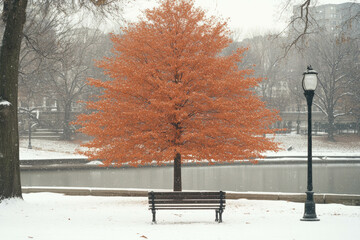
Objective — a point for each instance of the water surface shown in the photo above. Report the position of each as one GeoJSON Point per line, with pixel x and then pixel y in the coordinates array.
{"type": "Point", "coordinates": [327, 178]}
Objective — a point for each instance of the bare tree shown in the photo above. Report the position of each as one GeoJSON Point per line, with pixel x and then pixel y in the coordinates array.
{"type": "Point", "coordinates": [352, 69]}
{"type": "Point", "coordinates": [40, 37]}
{"type": "Point", "coordinates": [330, 57]}
{"type": "Point", "coordinates": [265, 53]}
{"type": "Point", "coordinates": [295, 66]}
{"type": "Point", "coordinates": [67, 75]}
{"type": "Point", "coordinates": [299, 25]}
{"type": "Point", "coordinates": [14, 17]}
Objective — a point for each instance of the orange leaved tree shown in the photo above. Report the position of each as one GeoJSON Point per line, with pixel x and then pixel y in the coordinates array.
{"type": "Point", "coordinates": [173, 96]}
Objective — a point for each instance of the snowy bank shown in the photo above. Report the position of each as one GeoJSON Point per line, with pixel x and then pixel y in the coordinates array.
{"type": "Point", "coordinates": [347, 199]}
{"type": "Point", "coordinates": [47, 149]}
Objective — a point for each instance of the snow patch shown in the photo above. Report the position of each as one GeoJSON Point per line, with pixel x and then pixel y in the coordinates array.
{"type": "Point", "coordinates": [4, 103]}
{"type": "Point", "coordinates": [95, 163]}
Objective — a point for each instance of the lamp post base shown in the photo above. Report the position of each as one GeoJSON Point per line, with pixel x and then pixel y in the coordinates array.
{"type": "Point", "coordinates": [310, 214]}
{"type": "Point", "coordinates": [309, 219]}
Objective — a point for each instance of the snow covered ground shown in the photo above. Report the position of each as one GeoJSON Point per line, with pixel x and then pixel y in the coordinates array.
{"type": "Point", "coordinates": [47, 149]}
{"type": "Point", "coordinates": [346, 145]}
{"type": "Point", "coordinates": [50, 216]}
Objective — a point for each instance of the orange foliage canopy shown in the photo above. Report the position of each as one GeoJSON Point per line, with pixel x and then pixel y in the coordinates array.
{"type": "Point", "coordinates": [171, 92]}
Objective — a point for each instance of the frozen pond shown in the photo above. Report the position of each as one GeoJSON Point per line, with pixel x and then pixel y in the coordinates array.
{"type": "Point", "coordinates": [327, 178]}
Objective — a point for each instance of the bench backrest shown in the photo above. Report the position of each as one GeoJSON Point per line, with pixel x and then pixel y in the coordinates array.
{"type": "Point", "coordinates": [187, 200]}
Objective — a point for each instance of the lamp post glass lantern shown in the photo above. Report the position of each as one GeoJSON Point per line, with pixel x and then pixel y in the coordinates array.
{"type": "Point", "coordinates": [309, 80]}
{"type": "Point", "coordinates": [309, 83]}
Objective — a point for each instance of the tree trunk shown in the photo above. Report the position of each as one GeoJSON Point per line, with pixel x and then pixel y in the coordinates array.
{"type": "Point", "coordinates": [177, 172]}
{"type": "Point", "coordinates": [66, 127]}
{"type": "Point", "coordinates": [14, 14]}
{"type": "Point", "coordinates": [331, 128]}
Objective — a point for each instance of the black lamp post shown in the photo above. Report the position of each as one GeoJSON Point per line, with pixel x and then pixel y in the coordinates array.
{"type": "Point", "coordinates": [29, 146]}
{"type": "Point", "coordinates": [31, 120]}
{"type": "Point", "coordinates": [309, 83]}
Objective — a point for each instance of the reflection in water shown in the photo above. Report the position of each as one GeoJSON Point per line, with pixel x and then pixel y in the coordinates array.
{"type": "Point", "coordinates": [327, 178]}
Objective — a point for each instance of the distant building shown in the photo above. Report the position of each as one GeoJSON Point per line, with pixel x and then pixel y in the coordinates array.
{"type": "Point", "coordinates": [337, 18]}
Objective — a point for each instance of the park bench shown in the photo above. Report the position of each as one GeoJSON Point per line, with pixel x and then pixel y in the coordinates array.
{"type": "Point", "coordinates": [187, 201]}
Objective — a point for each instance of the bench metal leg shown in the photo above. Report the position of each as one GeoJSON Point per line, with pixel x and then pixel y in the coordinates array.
{"type": "Point", "coordinates": [220, 219]}
{"type": "Point", "coordinates": [154, 217]}
{"type": "Point", "coordinates": [216, 215]}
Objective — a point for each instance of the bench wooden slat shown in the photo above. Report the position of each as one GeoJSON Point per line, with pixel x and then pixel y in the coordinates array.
{"type": "Point", "coordinates": [188, 201]}
{"type": "Point", "coordinates": [186, 197]}
{"type": "Point", "coordinates": [185, 193]}
{"type": "Point", "coordinates": [187, 205]}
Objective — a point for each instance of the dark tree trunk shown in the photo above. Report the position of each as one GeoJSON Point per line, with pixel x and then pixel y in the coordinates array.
{"type": "Point", "coordinates": [14, 18]}
{"type": "Point", "coordinates": [66, 126]}
{"type": "Point", "coordinates": [177, 172]}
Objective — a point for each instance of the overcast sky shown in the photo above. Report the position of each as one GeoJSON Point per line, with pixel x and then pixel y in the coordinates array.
{"type": "Point", "coordinates": [246, 17]}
